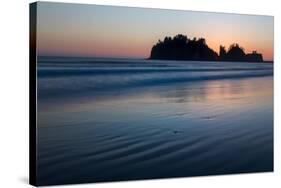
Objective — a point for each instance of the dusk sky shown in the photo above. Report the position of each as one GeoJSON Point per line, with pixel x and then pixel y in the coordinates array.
{"type": "Point", "coordinates": [108, 31]}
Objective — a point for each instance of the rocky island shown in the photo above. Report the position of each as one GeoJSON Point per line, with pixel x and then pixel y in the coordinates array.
{"type": "Point", "coordinates": [180, 47]}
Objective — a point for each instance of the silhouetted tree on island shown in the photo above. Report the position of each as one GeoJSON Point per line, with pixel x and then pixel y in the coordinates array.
{"type": "Point", "coordinates": [182, 48]}
{"type": "Point", "coordinates": [235, 53]}
{"type": "Point", "coordinates": [222, 53]}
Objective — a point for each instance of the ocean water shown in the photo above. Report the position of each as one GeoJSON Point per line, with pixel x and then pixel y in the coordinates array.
{"type": "Point", "coordinates": [121, 119]}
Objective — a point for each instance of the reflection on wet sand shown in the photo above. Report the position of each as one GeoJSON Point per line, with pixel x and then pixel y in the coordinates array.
{"type": "Point", "coordinates": [182, 129]}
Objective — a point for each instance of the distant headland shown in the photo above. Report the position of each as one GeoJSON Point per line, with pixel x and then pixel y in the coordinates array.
{"type": "Point", "coordinates": [180, 47]}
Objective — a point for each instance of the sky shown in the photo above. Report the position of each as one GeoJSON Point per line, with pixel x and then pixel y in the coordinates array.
{"type": "Point", "coordinates": [122, 32]}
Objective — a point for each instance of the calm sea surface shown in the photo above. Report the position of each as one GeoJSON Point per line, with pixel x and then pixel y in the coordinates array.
{"type": "Point", "coordinates": [108, 120]}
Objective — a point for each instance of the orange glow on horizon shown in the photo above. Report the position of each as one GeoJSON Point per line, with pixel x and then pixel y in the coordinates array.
{"type": "Point", "coordinates": [136, 49]}
{"type": "Point", "coordinates": [105, 31]}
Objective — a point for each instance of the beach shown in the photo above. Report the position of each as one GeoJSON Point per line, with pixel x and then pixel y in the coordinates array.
{"type": "Point", "coordinates": [111, 120]}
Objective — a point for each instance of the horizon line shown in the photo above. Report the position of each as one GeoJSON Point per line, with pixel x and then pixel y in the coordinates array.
{"type": "Point", "coordinates": [133, 58]}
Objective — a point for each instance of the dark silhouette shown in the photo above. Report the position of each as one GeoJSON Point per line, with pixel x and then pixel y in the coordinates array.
{"type": "Point", "coordinates": [182, 48]}
{"type": "Point", "coordinates": [222, 53]}
{"type": "Point", "coordinates": [254, 56]}
{"type": "Point", "coordinates": [236, 53]}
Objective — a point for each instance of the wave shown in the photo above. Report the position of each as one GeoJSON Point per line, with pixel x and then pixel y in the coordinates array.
{"type": "Point", "coordinates": [100, 84]}
{"type": "Point", "coordinates": [61, 72]}
{"type": "Point", "coordinates": [55, 80]}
